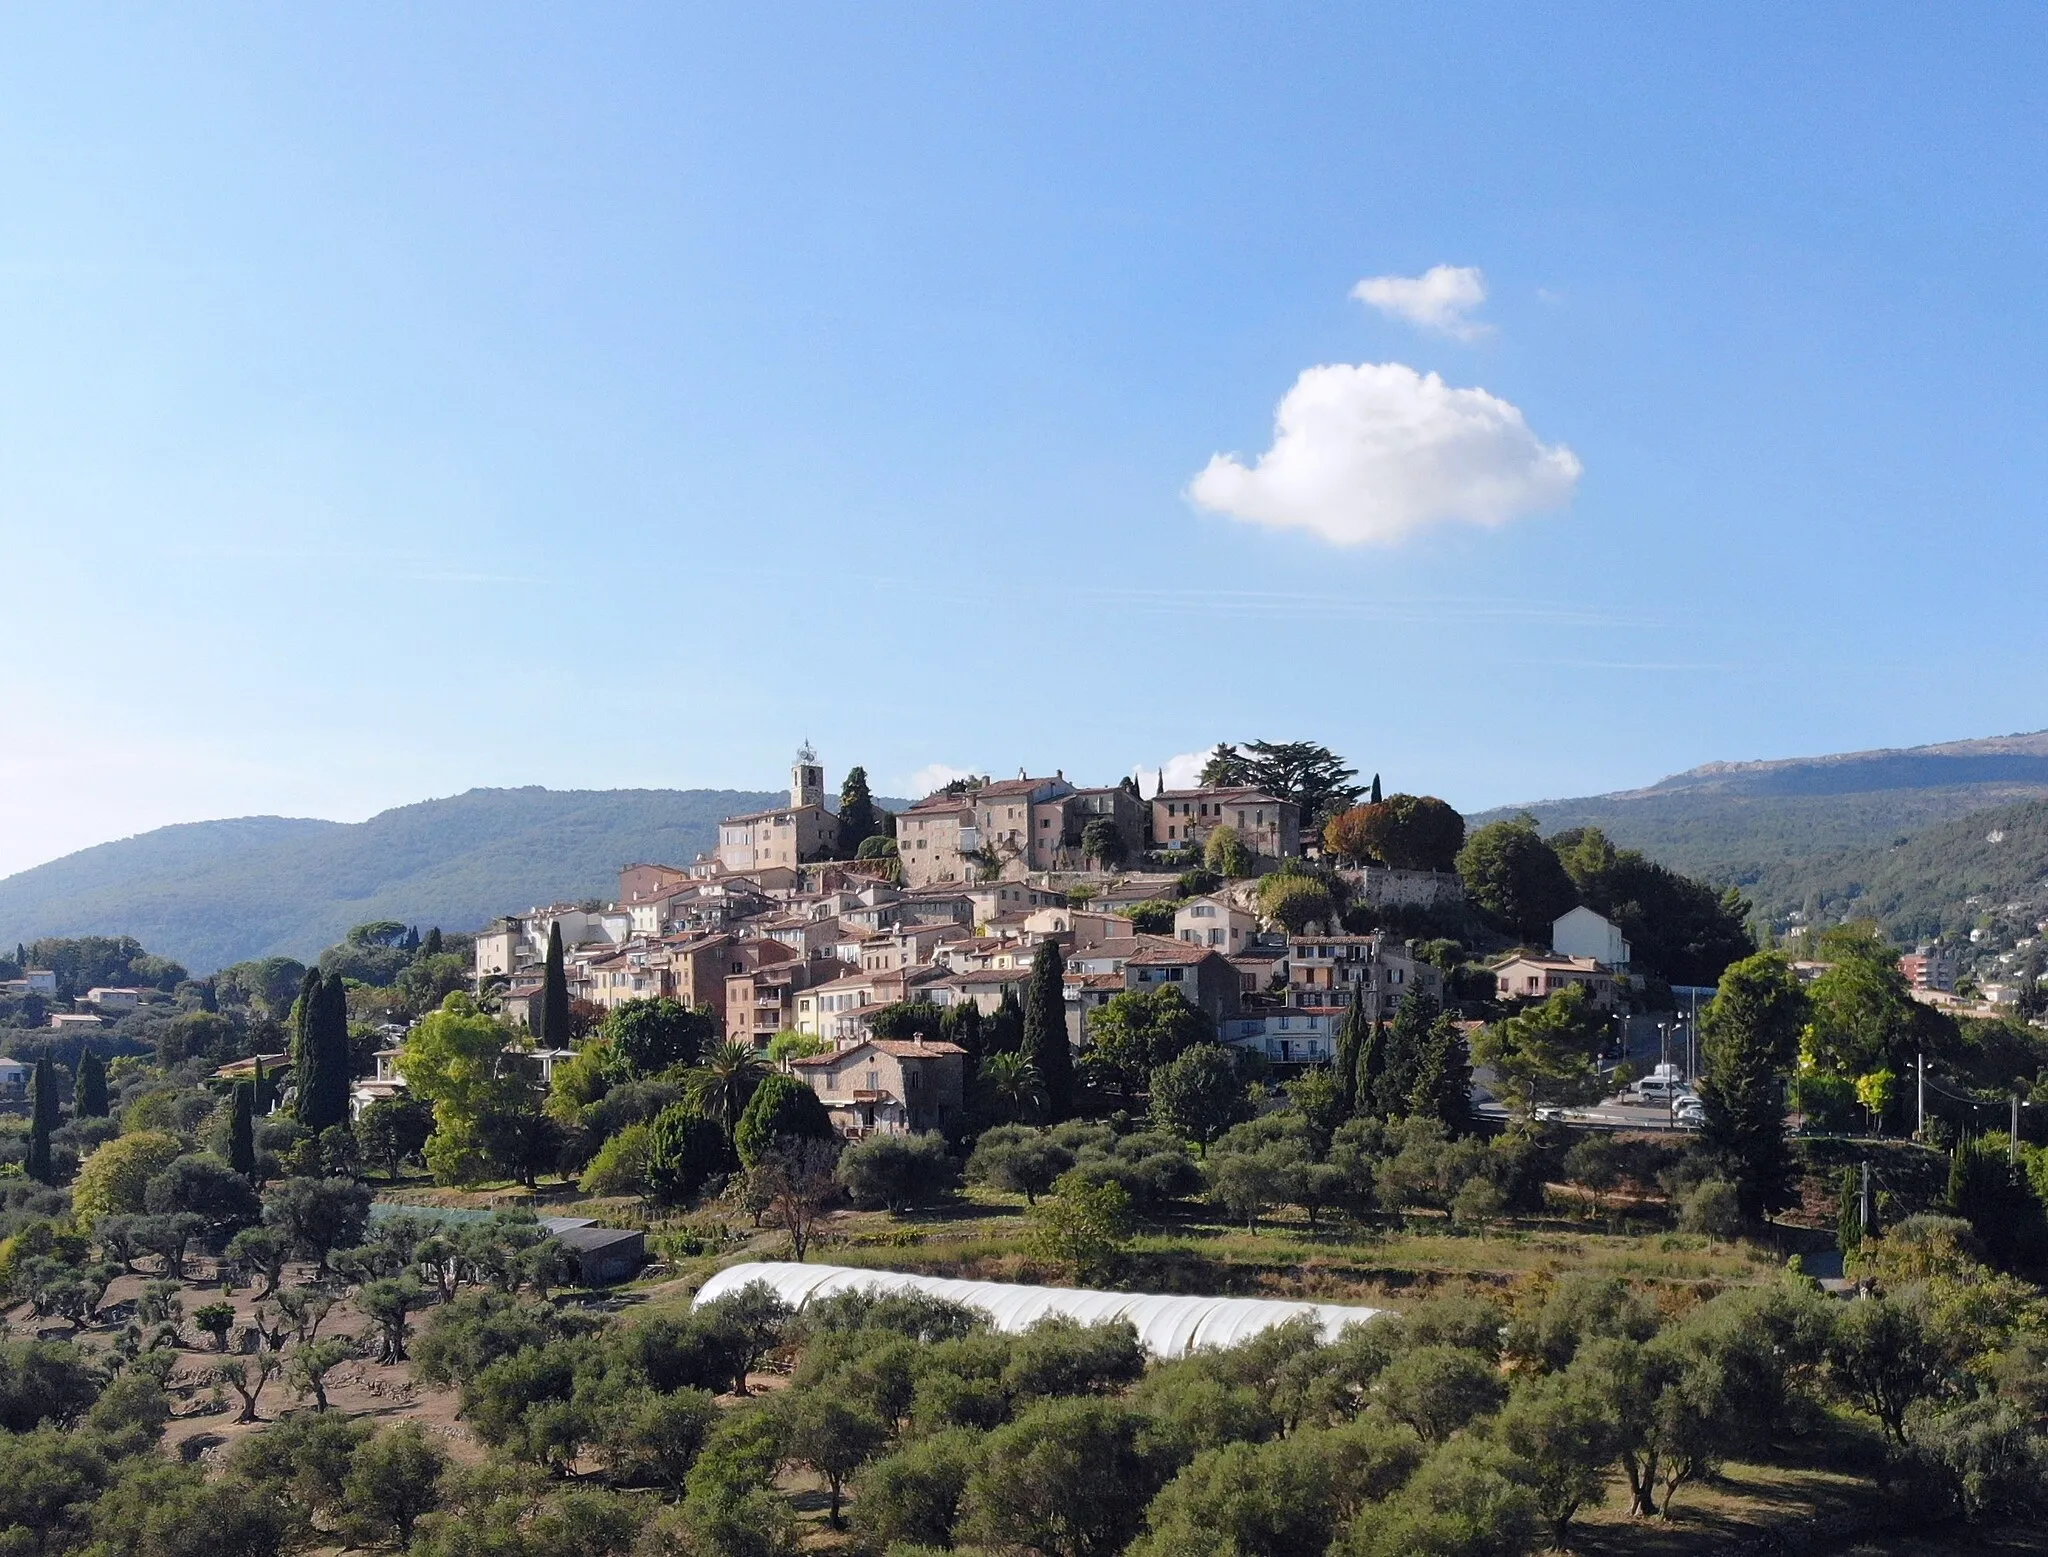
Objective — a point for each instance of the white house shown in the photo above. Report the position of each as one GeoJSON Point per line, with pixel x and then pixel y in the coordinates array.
{"type": "Point", "coordinates": [108, 999]}
{"type": "Point", "coordinates": [1583, 933]}
{"type": "Point", "coordinates": [13, 1078]}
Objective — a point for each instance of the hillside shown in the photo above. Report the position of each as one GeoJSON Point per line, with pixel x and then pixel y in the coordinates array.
{"type": "Point", "coordinates": [212, 893]}
{"type": "Point", "coordinates": [1745, 821]}
{"type": "Point", "coordinates": [1987, 866]}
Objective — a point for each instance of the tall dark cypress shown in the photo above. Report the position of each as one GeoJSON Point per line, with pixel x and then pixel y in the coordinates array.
{"type": "Point", "coordinates": [1375, 789]}
{"type": "Point", "coordinates": [242, 1130]}
{"type": "Point", "coordinates": [1443, 1081]}
{"type": "Point", "coordinates": [1371, 1067]}
{"type": "Point", "coordinates": [91, 1099]}
{"type": "Point", "coordinates": [304, 1056]}
{"type": "Point", "coordinates": [320, 1062]}
{"type": "Point", "coordinates": [554, 1006]}
{"type": "Point", "coordinates": [43, 1120]}
{"type": "Point", "coordinates": [262, 1085]}
{"type": "Point", "coordinates": [1045, 1030]}
{"type": "Point", "coordinates": [433, 945]}
{"type": "Point", "coordinates": [1352, 1038]}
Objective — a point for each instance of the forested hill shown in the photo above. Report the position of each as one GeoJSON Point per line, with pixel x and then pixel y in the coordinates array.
{"type": "Point", "coordinates": [212, 893]}
{"type": "Point", "coordinates": [1746, 821]}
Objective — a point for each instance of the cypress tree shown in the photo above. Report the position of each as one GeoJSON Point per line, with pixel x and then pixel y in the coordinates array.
{"type": "Point", "coordinates": [1045, 1030]}
{"type": "Point", "coordinates": [242, 1130]}
{"type": "Point", "coordinates": [1350, 1038]}
{"type": "Point", "coordinates": [962, 1025]}
{"type": "Point", "coordinates": [262, 1085]}
{"type": "Point", "coordinates": [1003, 1033]}
{"type": "Point", "coordinates": [1749, 1040]}
{"type": "Point", "coordinates": [554, 1007]}
{"type": "Point", "coordinates": [1443, 1082]}
{"type": "Point", "coordinates": [91, 1100]}
{"type": "Point", "coordinates": [299, 1026]}
{"type": "Point", "coordinates": [320, 1061]}
{"type": "Point", "coordinates": [1375, 789]}
{"type": "Point", "coordinates": [43, 1120]}
{"type": "Point", "coordinates": [1370, 1067]}
{"type": "Point", "coordinates": [857, 819]}
{"type": "Point", "coordinates": [1401, 1058]}
{"type": "Point", "coordinates": [433, 946]}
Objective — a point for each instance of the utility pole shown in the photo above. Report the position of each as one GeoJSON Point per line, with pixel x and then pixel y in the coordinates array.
{"type": "Point", "coordinates": [1863, 1201]}
{"type": "Point", "coordinates": [2012, 1145]}
{"type": "Point", "coordinates": [1920, 1102]}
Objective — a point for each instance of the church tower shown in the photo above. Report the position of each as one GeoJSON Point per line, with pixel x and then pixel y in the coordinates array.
{"type": "Point", "coordinates": [806, 778]}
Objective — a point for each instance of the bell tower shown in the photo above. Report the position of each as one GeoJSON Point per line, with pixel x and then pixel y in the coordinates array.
{"type": "Point", "coordinates": [806, 778]}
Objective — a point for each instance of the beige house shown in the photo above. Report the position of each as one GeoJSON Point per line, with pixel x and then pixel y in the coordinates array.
{"type": "Point", "coordinates": [787, 836]}
{"type": "Point", "coordinates": [1529, 976]}
{"type": "Point", "coordinates": [1216, 922]}
{"type": "Point", "coordinates": [1268, 826]}
{"type": "Point", "coordinates": [888, 1086]}
{"type": "Point", "coordinates": [1340, 970]}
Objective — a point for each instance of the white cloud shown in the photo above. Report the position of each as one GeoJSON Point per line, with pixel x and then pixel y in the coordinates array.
{"type": "Point", "coordinates": [1368, 455]}
{"type": "Point", "coordinates": [935, 776]}
{"type": "Point", "coordinates": [1182, 772]}
{"type": "Point", "coordinates": [1441, 298]}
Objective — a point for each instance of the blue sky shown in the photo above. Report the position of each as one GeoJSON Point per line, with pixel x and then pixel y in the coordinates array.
{"type": "Point", "coordinates": [397, 400]}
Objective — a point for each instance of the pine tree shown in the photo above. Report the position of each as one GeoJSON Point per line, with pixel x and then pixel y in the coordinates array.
{"type": "Point", "coordinates": [1749, 1039]}
{"type": "Point", "coordinates": [43, 1121]}
{"type": "Point", "coordinates": [242, 1130]}
{"type": "Point", "coordinates": [1443, 1081]}
{"type": "Point", "coordinates": [91, 1099]}
{"type": "Point", "coordinates": [1045, 1030]}
{"type": "Point", "coordinates": [857, 819]}
{"type": "Point", "coordinates": [554, 1005]}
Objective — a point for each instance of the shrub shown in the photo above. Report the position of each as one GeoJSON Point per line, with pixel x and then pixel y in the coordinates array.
{"type": "Point", "coordinates": [781, 1106]}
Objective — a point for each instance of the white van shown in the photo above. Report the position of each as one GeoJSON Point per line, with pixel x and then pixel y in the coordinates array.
{"type": "Point", "coordinates": [1658, 1089]}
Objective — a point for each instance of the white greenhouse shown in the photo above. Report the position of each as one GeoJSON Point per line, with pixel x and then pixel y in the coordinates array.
{"type": "Point", "coordinates": [1167, 1325]}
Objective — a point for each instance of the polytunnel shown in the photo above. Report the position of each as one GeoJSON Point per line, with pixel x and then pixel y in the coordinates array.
{"type": "Point", "coordinates": [1168, 1325]}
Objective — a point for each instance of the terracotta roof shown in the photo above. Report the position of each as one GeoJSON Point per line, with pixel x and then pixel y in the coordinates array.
{"type": "Point", "coordinates": [756, 816]}
{"type": "Point", "coordinates": [1245, 794]}
{"type": "Point", "coordinates": [1182, 953]}
{"type": "Point", "coordinates": [896, 1048]}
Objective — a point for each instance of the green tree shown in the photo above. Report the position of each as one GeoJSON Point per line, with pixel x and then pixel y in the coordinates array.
{"type": "Point", "coordinates": [1133, 1033]}
{"type": "Point", "coordinates": [724, 1084]}
{"type": "Point", "coordinates": [44, 1117]}
{"type": "Point", "coordinates": [1406, 832]}
{"type": "Point", "coordinates": [1443, 1079]}
{"type": "Point", "coordinates": [242, 1131]}
{"type": "Point", "coordinates": [1003, 1032]}
{"type": "Point", "coordinates": [832, 1435]}
{"type": "Point", "coordinates": [1010, 1083]}
{"type": "Point", "coordinates": [1312, 776]}
{"type": "Point", "coordinates": [555, 1032]}
{"type": "Point", "coordinates": [1228, 855]}
{"type": "Point", "coordinates": [1199, 1095]}
{"type": "Point", "coordinates": [1067, 1478]}
{"type": "Point", "coordinates": [648, 1037]}
{"type": "Point", "coordinates": [1883, 1357]}
{"type": "Point", "coordinates": [318, 1216]}
{"type": "Point", "coordinates": [781, 1108]}
{"type": "Point", "coordinates": [1103, 842]}
{"type": "Point", "coordinates": [1294, 901]}
{"type": "Point", "coordinates": [1045, 1030]}
{"type": "Point", "coordinates": [1557, 1427]}
{"type": "Point", "coordinates": [684, 1151]}
{"type": "Point", "coordinates": [858, 819]}
{"type": "Point", "coordinates": [452, 1060]}
{"type": "Point", "coordinates": [307, 1367]}
{"type": "Point", "coordinates": [90, 1100]}
{"type": "Point", "coordinates": [1680, 929]}
{"type": "Point", "coordinates": [1516, 878]}
{"type": "Point", "coordinates": [320, 1052]}
{"type": "Point", "coordinates": [395, 1128]}
{"type": "Point", "coordinates": [115, 1178]}
{"type": "Point", "coordinates": [1019, 1160]}
{"type": "Point", "coordinates": [1083, 1227]}
{"type": "Point", "coordinates": [1546, 1054]}
{"type": "Point", "coordinates": [1749, 1038]}
{"type": "Point", "coordinates": [1407, 1038]}
{"type": "Point", "coordinates": [393, 1480]}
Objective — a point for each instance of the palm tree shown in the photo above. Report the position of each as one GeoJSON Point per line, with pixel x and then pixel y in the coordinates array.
{"type": "Point", "coordinates": [1012, 1083]}
{"type": "Point", "coordinates": [721, 1086]}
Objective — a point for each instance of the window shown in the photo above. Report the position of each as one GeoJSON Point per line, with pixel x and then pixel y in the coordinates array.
{"type": "Point", "coordinates": [874, 1081]}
